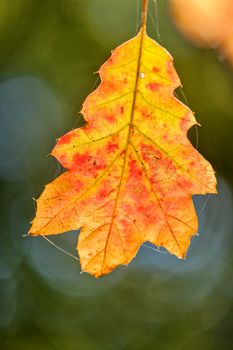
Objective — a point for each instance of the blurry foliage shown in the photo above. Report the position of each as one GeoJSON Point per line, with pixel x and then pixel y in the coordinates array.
{"type": "Point", "coordinates": [207, 23]}
{"type": "Point", "coordinates": [49, 50]}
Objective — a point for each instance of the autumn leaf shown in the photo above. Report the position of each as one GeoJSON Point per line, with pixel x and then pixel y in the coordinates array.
{"type": "Point", "coordinates": [207, 23]}
{"type": "Point", "coordinates": [131, 170]}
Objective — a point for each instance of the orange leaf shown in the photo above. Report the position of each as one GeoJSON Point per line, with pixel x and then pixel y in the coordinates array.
{"type": "Point", "coordinates": [206, 23]}
{"type": "Point", "coordinates": [131, 169]}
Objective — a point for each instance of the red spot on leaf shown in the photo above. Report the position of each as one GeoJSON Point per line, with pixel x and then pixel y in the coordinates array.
{"type": "Point", "coordinates": [112, 146]}
{"type": "Point", "coordinates": [136, 187]}
{"type": "Point", "coordinates": [185, 184]}
{"type": "Point", "coordinates": [65, 139]}
{"type": "Point", "coordinates": [111, 118]}
{"type": "Point", "coordinates": [156, 69]}
{"type": "Point", "coordinates": [81, 159]}
{"type": "Point", "coordinates": [103, 193]}
{"type": "Point", "coordinates": [88, 164]}
{"type": "Point", "coordinates": [185, 122]}
{"type": "Point", "coordinates": [88, 127]}
{"type": "Point", "coordinates": [150, 153]}
{"type": "Point", "coordinates": [107, 87]}
{"type": "Point", "coordinates": [145, 112]}
{"type": "Point", "coordinates": [78, 185]}
{"type": "Point", "coordinates": [153, 86]}
{"type": "Point", "coordinates": [134, 169]}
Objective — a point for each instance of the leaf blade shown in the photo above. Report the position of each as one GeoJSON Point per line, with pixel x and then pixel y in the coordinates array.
{"type": "Point", "coordinates": [131, 169]}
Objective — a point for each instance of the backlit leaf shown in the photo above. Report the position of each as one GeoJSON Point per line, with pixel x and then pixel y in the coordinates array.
{"type": "Point", "coordinates": [131, 170]}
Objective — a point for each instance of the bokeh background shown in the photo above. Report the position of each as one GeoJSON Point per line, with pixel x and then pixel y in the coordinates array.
{"type": "Point", "coordinates": [48, 53]}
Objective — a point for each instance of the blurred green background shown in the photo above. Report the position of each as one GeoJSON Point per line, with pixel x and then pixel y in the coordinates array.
{"type": "Point", "coordinates": [49, 51]}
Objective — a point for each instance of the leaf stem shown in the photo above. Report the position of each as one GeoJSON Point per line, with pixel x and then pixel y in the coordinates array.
{"type": "Point", "coordinates": [144, 13]}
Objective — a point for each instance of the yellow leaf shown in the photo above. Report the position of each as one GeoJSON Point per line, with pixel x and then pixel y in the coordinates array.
{"type": "Point", "coordinates": [131, 170]}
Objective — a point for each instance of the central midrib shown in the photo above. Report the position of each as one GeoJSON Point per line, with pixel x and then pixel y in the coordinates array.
{"type": "Point", "coordinates": [126, 148]}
